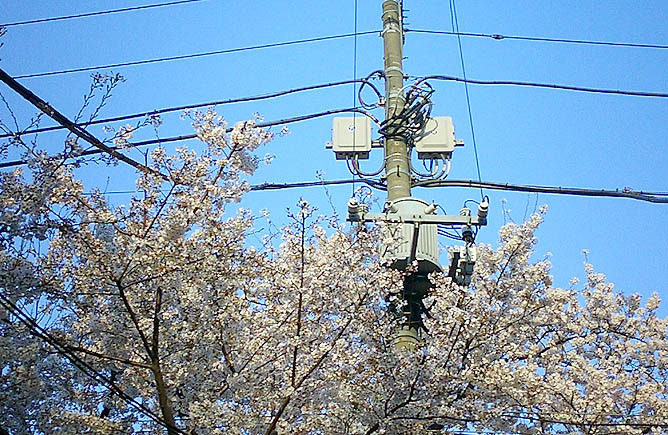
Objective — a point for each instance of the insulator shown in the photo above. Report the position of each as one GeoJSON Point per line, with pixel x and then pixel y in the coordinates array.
{"type": "Point", "coordinates": [353, 209]}
{"type": "Point", "coordinates": [483, 208]}
{"type": "Point", "coordinates": [430, 209]}
{"type": "Point", "coordinates": [467, 234]}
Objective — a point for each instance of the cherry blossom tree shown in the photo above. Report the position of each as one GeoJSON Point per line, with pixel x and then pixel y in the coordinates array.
{"type": "Point", "coordinates": [178, 313]}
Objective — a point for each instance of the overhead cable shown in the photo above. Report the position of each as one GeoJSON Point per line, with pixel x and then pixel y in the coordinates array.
{"type": "Point", "coordinates": [91, 14]}
{"type": "Point", "coordinates": [195, 55]}
{"type": "Point", "coordinates": [647, 196]}
{"type": "Point", "coordinates": [455, 27]}
{"type": "Point", "coordinates": [71, 126]}
{"type": "Point", "coordinates": [641, 195]}
{"type": "Point", "coordinates": [199, 105]}
{"type": "Point", "coordinates": [545, 85]}
{"type": "Point", "coordinates": [281, 186]}
{"type": "Point", "coordinates": [654, 197]}
{"type": "Point", "coordinates": [283, 121]}
{"type": "Point", "coordinates": [500, 37]}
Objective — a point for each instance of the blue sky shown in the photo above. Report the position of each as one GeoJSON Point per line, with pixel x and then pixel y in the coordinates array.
{"type": "Point", "coordinates": [525, 136]}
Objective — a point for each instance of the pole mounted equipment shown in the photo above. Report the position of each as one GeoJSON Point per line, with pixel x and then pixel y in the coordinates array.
{"type": "Point", "coordinates": [412, 223]}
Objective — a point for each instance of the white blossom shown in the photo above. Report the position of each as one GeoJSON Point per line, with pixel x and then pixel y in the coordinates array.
{"type": "Point", "coordinates": [166, 296]}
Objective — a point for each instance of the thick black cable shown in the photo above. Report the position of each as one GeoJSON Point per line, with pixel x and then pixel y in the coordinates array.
{"type": "Point", "coordinates": [648, 196]}
{"type": "Point", "coordinates": [197, 106]}
{"type": "Point", "coordinates": [654, 197]}
{"type": "Point", "coordinates": [71, 126]}
{"type": "Point", "coordinates": [37, 331]}
{"type": "Point", "coordinates": [91, 14]}
{"type": "Point", "coordinates": [194, 136]}
{"type": "Point", "coordinates": [499, 37]}
{"type": "Point", "coordinates": [281, 186]}
{"type": "Point", "coordinates": [545, 85]}
{"type": "Point", "coordinates": [195, 55]}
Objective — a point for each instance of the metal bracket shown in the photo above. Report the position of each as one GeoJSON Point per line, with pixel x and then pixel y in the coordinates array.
{"type": "Point", "coordinates": [419, 219]}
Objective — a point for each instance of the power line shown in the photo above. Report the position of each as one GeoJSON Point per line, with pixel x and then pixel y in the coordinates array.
{"type": "Point", "coordinates": [499, 37]}
{"type": "Point", "coordinates": [90, 14]}
{"type": "Point", "coordinates": [194, 136]}
{"type": "Point", "coordinates": [654, 197]}
{"type": "Point", "coordinates": [196, 106]}
{"type": "Point", "coordinates": [640, 195]}
{"type": "Point", "coordinates": [195, 55]}
{"type": "Point", "coordinates": [455, 27]}
{"type": "Point", "coordinates": [545, 85]}
{"type": "Point", "coordinates": [647, 196]}
{"type": "Point", "coordinates": [297, 185]}
{"type": "Point", "coordinates": [71, 126]}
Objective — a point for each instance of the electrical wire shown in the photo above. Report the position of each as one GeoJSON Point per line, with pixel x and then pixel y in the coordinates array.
{"type": "Point", "coordinates": [91, 14]}
{"type": "Point", "coordinates": [547, 85]}
{"type": "Point", "coordinates": [499, 37]}
{"type": "Point", "coordinates": [364, 81]}
{"type": "Point", "coordinates": [647, 196]}
{"type": "Point", "coordinates": [181, 138]}
{"type": "Point", "coordinates": [354, 162]}
{"type": "Point", "coordinates": [74, 128]}
{"type": "Point", "coordinates": [412, 118]}
{"type": "Point", "coordinates": [654, 197]}
{"type": "Point", "coordinates": [39, 332]}
{"type": "Point", "coordinates": [281, 186]}
{"type": "Point", "coordinates": [455, 27]}
{"type": "Point", "coordinates": [196, 55]}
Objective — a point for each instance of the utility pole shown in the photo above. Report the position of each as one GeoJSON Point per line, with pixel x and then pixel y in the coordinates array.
{"type": "Point", "coordinates": [413, 222]}
{"type": "Point", "coordinates": [397, 170]}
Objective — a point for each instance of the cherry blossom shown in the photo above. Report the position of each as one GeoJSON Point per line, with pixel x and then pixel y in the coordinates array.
{"type": "Point", "coordinates": [189, 325]}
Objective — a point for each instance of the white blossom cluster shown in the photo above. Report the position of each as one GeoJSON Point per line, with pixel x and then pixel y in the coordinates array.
{"type": "Point", "coordinates": [168, 301]}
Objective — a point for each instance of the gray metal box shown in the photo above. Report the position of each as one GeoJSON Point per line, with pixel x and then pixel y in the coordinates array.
{"type": "Point", "coordinates": [437, 139]}
{"type": "Point", "coordinates": [351, 136]}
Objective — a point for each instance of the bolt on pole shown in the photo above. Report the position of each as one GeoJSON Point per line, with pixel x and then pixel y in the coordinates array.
{"type": "Point", "coordinates": [397, 170]}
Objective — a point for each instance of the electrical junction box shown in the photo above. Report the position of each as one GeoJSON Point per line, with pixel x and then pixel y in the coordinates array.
{"type": "Point", "coordinates": [437, 139]}
{"type": "Point", "coordinates": [350, 137]}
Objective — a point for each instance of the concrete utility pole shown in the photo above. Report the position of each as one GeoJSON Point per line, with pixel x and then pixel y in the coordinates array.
{"type": "Point", "coordinates": [414, 222]}
{"type": "Point", "coordinates": [397, 169]}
